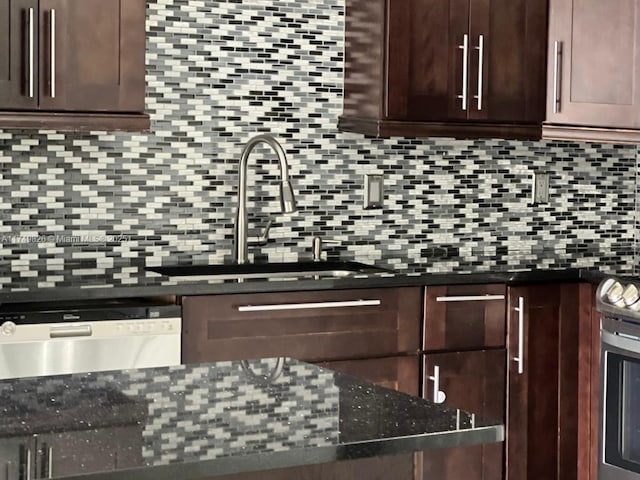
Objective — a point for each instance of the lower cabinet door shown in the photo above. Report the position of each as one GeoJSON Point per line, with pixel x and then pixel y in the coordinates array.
{"type": "Point", "coordinates": [101, 450]}
{"type": "Point", "coordinates": [396, 467]}
{"type": "Point", "coordinates": [16, 458]}
{"type": "Point", "coordinates": [544, 383]}
{"type": "Point", "coordinates": [54, 455]}
{"type": "Point", "coordinates": [473, 381]}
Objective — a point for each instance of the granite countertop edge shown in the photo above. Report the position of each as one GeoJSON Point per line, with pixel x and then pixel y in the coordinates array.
{"type": "Point", "coordinates": [304, 457]}
{"type": "Point", "coordinates": [108, 288]}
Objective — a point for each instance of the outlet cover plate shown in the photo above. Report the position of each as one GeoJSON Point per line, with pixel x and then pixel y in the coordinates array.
{"type": "Point", "coordinates": [373, 191]}
{"type": "Point", "coordinates": [540, 191]}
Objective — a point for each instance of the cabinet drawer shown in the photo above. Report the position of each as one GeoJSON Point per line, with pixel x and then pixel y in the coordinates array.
{"type": "Point", "coordinates": [464, 317]}
{"type": "Point", "coordinates": [313, 326]}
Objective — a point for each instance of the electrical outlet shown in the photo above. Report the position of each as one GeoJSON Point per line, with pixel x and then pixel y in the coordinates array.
{"type": "Point", "coordinates": [540, 191]}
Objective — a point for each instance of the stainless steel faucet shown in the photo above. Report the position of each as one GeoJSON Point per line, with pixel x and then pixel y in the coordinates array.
{"type": "Point", "coordinates": [318, 244]}
{"type": "Point", "coordinates": [287, 200]}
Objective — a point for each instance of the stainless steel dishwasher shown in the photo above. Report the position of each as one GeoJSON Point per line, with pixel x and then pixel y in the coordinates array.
{"type": "Point", "coordinates": [60, 338]}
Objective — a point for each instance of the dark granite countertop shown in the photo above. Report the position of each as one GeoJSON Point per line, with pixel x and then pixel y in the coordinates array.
{"type": "Point", "coordinates": [44, 282]}
{"type": "Point", "coordinates": [214, 419]}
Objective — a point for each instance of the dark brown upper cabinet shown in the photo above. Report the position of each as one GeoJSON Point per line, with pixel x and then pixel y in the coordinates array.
{"type": "Point", "coordinates": [463, 68]}
{"type": "Point", "coordinates": [73, 64]}
{"type": "Point", "coordinates": [594, 71]}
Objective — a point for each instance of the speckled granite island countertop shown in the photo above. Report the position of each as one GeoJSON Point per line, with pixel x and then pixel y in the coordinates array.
{"type": "Point", "coordinates": [199, 421]}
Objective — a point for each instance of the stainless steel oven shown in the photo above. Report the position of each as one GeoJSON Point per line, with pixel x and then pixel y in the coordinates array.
{"type": "Point", "coordinates": [619, 304]}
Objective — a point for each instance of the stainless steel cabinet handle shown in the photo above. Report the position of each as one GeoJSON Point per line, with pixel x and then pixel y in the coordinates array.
{"type": "Point", "coordinates": [53, 52]}
{"type": "Point", "coordinates": [438, 395]}
{"type": "Point", "coordinates": [465, 70]}
{"type": "Point", "coordinates": [31, 47]}
{"type": "Point", "coordinates": [28, 463]}
{"type": "Point", "coordinates": [480, 49]}
{"type": "Point", "coordinates": [50, 463]}
{"type": "Point", "coordinates": [470, 298]}
{"type": "Point", "coordinates": [520, 358]}
{"type": "Point", "coordinates": [307, 306]}
{"type": "Point", "coordinates": [557, 64]}
{"type": "Point", "coordinates": [71, 331]}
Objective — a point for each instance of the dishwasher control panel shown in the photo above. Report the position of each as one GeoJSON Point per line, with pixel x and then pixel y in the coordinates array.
{"type": "Point", "coordinates": [12, 317]}
{"type": "Point", "coordinates": [147, 326]}
{"type": "Point", "coordinates": [55, 313]}
{"type": "Point", "coordinates": [10, 332]}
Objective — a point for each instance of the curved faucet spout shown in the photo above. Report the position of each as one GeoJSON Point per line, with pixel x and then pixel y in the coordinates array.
{"type": "Point", "coordinates": [287, 200]}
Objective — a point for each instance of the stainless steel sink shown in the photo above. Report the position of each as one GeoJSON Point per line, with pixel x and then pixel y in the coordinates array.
{"type": "Point", "coordinates": [266, 270]}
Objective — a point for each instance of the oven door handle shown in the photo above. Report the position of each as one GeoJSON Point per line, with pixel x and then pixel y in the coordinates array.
{"type": "Point", "coordinates": [623, 343]}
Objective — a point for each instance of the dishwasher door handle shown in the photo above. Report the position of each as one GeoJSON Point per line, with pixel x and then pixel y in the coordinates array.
{"type": "Point", "coordinates": [70, 331]}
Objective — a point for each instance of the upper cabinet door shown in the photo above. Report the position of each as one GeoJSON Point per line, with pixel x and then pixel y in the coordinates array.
{"type": "Point", "coordinates": [480, 60]}
{"type": "Point", "coordinates": [19, 53]}
{"type": "Point", "coordinates": [507, 60]}
{"type": "Point", "coordinates": [594, 63]}
{"type": "Point", "coordinates": [428, 60]}
{"type": "Point", "coordinates": [92, 55]}
{"type": "Point", "coordinates": [461, 68]}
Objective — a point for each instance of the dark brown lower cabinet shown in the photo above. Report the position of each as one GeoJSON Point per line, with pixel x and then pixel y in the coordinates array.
{"type": "Point", "coordinates": [310, 326]}
{"type": "Point", "coordinates": [593, 383]}
{"type": "Point", "coordinates": [381, 468]}
{"type": "Point", "coordinates": [71, 453]}
{"type": "Point", "coordinates": [399, 373]}
{"type": "Point", "coordinates": [378, 342]}
{"type": "Point", "coordinates": [464, 317]}
{"type": "Point", "coordinates": [543, 382]}
{"type": "Point", "coordinates": [588, 384]}
{"type": "Point", "coordinates": [473, 381]}
{"type": "Point", "coordinates": [111, 447]}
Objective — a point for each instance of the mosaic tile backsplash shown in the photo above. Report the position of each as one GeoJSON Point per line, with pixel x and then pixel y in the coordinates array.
{"type": "Point", "coordinates": [221, 71]}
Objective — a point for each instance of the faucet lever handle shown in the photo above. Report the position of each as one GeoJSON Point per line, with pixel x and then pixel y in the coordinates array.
{"type": "Point", "coordinates": [264, 236]}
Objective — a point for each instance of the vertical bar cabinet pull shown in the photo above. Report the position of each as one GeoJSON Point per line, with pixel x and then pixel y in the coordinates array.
{"type": "Point", "coordinates": [465, 70]}
{"type": "Point", "coordinates": [31, 51]}
{"type": "Point", "coordinates": [28, 463]}
{"type": "Point", "coordinates": [50, 462]}
{"type": "Point", "coordinates": [557, 64]}
{"type": "Point", "coordinates": [520, 358]}
{"type": "Point", "coordinates": [53, 52]}
{"type": "Point", "coordinates": [480, 49]}
{"type": "Point", "coordinates": [438, 395]}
